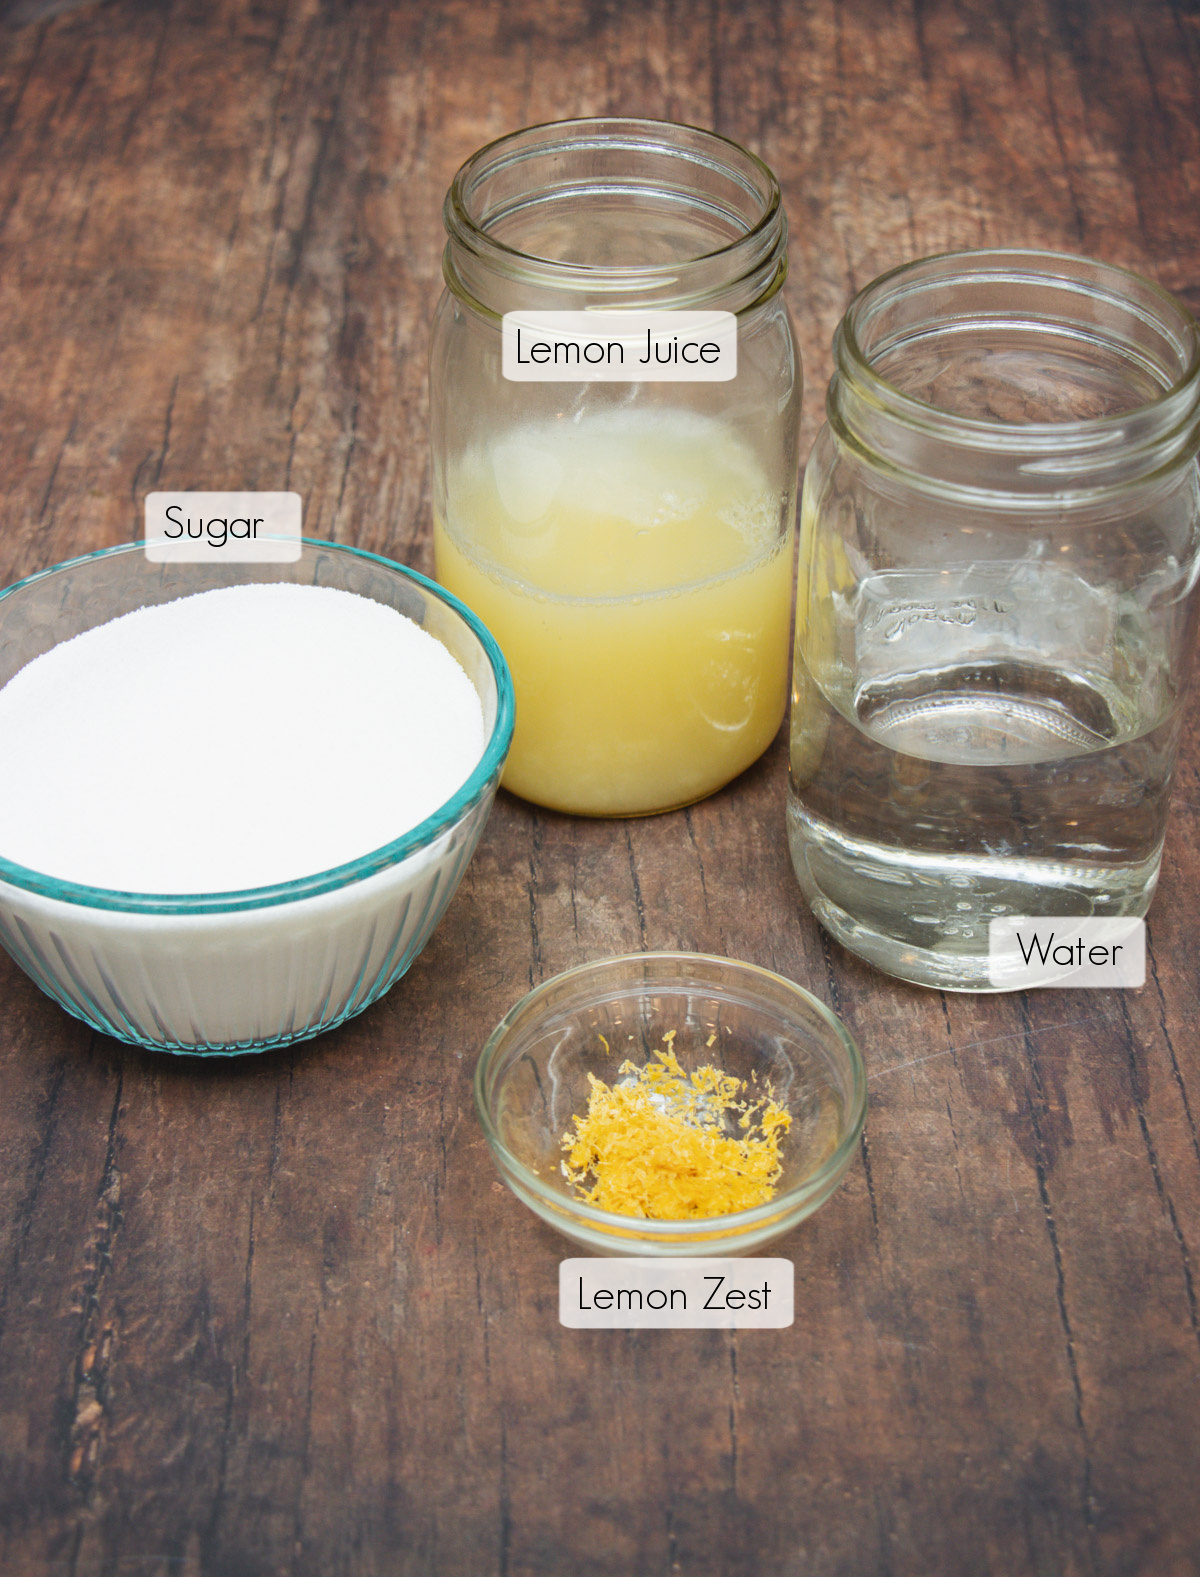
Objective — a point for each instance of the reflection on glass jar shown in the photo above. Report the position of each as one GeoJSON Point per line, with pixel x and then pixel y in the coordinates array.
{"type": "Point", "coordinates": [628, 544]}
{"type": "Point", "coordinates": [996, 605]}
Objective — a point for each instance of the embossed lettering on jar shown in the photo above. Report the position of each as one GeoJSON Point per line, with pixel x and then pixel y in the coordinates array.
{"type": "Point", "coordinates": [996, 605]}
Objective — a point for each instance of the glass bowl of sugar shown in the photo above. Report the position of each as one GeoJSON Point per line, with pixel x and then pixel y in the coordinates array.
{"type": "Point", "coordinates": [236, 799]}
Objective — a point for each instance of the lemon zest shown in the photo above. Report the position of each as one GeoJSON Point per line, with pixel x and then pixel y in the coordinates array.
{"type": "Point", "coordinates": [654, 1146]}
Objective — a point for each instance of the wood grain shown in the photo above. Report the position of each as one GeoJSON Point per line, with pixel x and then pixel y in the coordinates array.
{"type": "Point", "coordinates": [278, 1315]}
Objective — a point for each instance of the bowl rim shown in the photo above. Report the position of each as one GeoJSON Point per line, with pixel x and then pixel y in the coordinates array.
{"type": "Point", "coordinates": [484, 776]}
{"type": "Point", "coordinates": [703, 1228]}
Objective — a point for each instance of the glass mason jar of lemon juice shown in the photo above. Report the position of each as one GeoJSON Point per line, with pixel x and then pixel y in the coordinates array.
{"type": "Point", "coordinates": [628, 543]}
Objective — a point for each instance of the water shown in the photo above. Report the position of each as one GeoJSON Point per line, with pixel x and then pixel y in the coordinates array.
{"type": "Point", "coordinates": [928, 798]}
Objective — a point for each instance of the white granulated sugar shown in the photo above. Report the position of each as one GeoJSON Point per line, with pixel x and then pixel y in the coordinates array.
{"type": "Point", "coordinates": [231, 739]}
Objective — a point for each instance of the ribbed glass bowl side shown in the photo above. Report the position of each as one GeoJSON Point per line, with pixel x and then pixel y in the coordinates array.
{"type": "Point", "coordinates": [246, 981]}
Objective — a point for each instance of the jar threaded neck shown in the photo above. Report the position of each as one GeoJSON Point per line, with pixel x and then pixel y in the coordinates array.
{"type": "Point", "coordinates": [614, 213]}
{"type": "Point", "coordinates": [1013, 375]}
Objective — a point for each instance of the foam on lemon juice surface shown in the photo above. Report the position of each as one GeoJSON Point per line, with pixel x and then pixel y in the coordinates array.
{"type": "Point", "coordinates": [632, 567]}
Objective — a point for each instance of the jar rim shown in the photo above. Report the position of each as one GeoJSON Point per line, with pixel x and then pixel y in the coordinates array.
{"type": "Point", "coordinates": [763, 240]}
{"type": "Point", "coordinates": [1042, 266]}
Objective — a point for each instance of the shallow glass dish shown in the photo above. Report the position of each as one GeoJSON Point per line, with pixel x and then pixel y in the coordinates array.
{"type": "Point", "coordinates": [265, 966]}
{"type": "Point", "coordinates": [532, 1078]}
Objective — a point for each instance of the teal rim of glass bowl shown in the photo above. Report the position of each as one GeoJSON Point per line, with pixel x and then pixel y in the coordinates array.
{"type": "Point", "coordinates": [472, 791]}
{"type": "Point", "coordinates": [646, 1228]}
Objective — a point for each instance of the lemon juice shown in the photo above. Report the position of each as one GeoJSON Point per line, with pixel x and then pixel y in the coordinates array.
{"type": "Point", "coordinates": [635, 569]}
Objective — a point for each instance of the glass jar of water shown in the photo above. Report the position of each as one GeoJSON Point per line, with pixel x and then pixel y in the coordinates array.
{"type": "Point", "coordinates": [996, 605]}
{"type": "Point", "coordinates": [628, 543]}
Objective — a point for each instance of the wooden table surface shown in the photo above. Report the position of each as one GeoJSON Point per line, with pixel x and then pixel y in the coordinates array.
{"type": "Point", "coordinates": [277, 1315]}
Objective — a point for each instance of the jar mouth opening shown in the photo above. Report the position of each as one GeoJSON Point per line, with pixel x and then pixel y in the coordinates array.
{"type": "Point", "coordinates": [1122, 350]}
{"type": "Point", "coordinates": [501, 206]}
